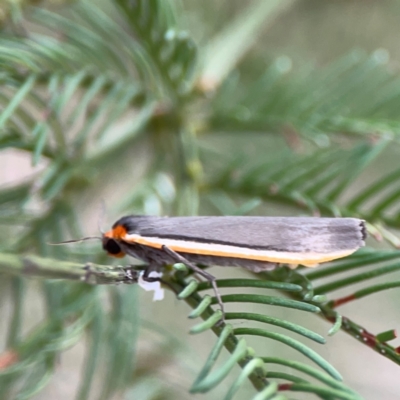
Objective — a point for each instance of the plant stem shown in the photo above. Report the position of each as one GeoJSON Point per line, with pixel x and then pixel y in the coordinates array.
{"type": "Point", "coordinates": [34, 266]}
{"type": "Point", "coordinates": [361, 334]}
{"type": "Point", "coordinates": [351, 328]}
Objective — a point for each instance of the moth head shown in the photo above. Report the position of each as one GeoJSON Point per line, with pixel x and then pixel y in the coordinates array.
{"type": "Point", "coordinates": [112, 247]}
{"type": "Point", "coordinates": [111, 241]}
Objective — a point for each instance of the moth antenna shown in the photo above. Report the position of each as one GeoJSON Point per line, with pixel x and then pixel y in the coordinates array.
{"type": "Point", "coordinates": [75, 240]}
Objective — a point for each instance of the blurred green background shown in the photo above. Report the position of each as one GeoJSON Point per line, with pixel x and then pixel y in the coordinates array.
{"type": "Point", "coordinates": [184, 108]}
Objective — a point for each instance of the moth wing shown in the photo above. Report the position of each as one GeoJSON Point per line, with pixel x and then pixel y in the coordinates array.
{"type": "Point", "coordinates": [284, 234]}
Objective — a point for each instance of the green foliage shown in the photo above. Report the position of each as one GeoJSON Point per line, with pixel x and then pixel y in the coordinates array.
{"type": "Point", "coordinates": [335, 99]}
{"type": "Point", "coordinates": [112, 100]}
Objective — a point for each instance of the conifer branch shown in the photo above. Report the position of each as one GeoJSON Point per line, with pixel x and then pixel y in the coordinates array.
{"type": "Point", "coordinates": [40, 267]}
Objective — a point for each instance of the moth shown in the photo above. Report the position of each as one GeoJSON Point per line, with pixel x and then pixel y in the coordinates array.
{"type": "Point", "coordinates": [255, 243]}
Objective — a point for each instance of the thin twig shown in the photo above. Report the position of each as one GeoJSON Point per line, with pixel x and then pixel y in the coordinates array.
{"type": "Point", "coordinates": [29, 265]}
{"type": "Point", "coordinates": [361, 334]}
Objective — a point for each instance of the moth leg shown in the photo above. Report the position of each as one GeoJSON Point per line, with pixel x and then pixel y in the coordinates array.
{"type": "Point", "coordinates": [211, 278]}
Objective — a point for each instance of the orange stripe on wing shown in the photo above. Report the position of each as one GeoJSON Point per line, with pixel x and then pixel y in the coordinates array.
{"type": "Point", "coordinates": [216, 250]}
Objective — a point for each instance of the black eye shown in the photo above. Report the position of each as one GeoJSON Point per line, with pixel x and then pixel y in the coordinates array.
{"type": "Point", "coordinates": [111, 246]}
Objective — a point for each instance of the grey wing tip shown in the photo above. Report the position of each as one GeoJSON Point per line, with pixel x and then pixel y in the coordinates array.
{"type": "Point", "coordinates": [363, 230]}
{"type": "Point", "coordinates": [355, 233]}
